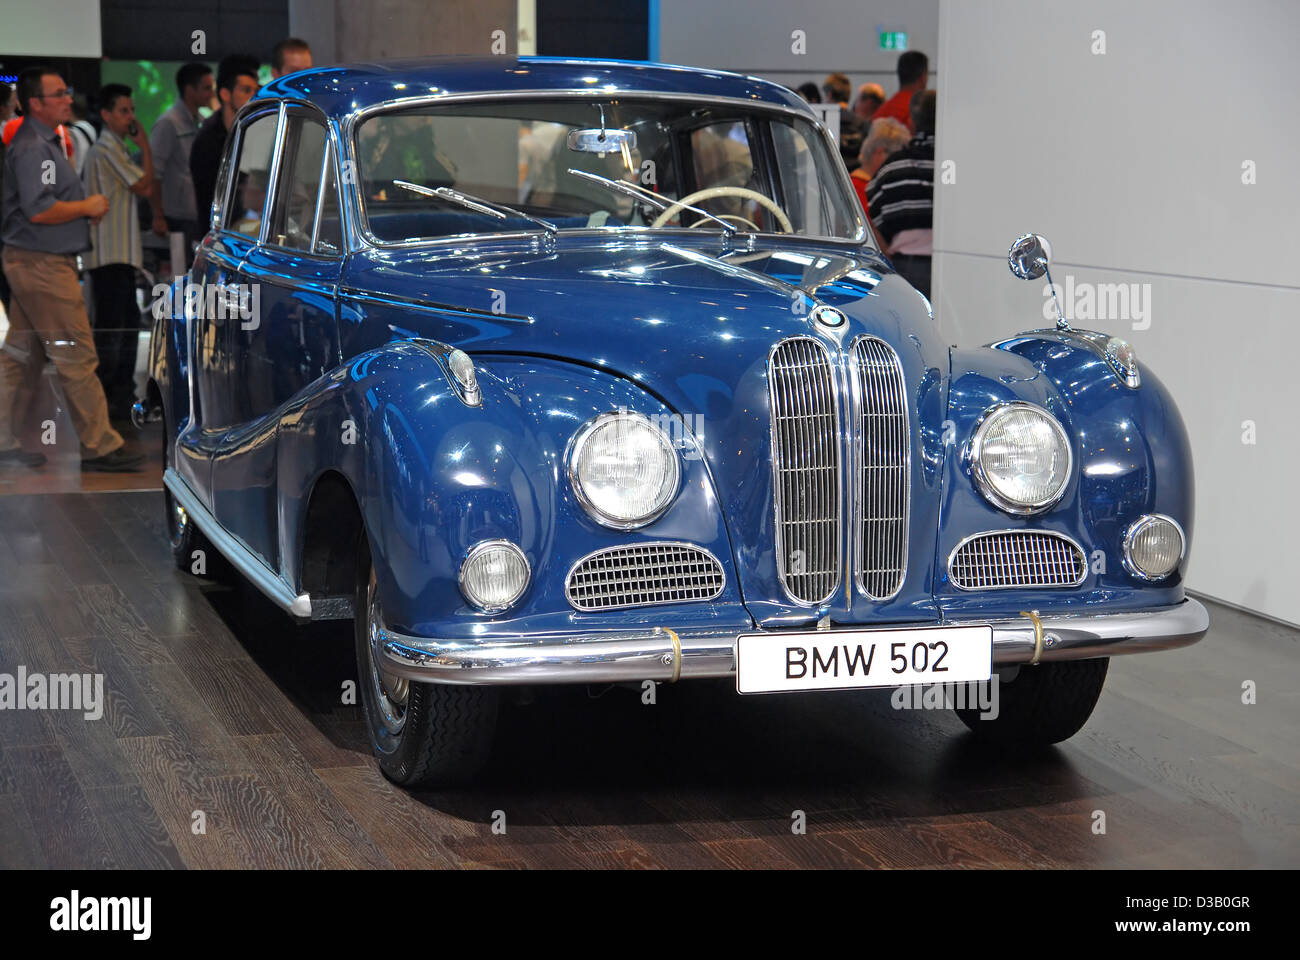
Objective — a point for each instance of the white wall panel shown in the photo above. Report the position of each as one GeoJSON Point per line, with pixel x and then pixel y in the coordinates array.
{"type": "Point", "coordinates": [754, 37]}
{"type": "Point", "coordinates": [1131, 164]}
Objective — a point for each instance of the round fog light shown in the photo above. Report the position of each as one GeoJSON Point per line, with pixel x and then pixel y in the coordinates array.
{"type": "Point", "coordinates": [494, 575]}
{"type": "Point", "coordinates": [1153, 547]}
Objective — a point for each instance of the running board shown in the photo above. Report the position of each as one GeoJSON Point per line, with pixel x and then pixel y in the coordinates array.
{"type": "Point", "coordinates": [240, 557]}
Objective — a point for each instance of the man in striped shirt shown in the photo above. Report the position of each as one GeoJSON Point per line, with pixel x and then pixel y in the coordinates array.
{"type": "Point", "coordinates": [900, 198]}
{"type": "Point", "coordinates": [116, 240]}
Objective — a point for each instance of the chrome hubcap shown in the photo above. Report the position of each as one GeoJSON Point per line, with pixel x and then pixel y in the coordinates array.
{"type": "Point", "coordinates": [390, 692]}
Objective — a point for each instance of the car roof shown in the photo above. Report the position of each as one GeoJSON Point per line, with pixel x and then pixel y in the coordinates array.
{"type": "Point", "coordinates": [344, 89]}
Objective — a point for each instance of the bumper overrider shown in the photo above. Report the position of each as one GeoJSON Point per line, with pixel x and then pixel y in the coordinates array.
{"type": "Point", "coordinates": [664, 654]}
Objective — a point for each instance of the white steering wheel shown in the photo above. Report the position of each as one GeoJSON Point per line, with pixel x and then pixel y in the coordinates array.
{"type": "Point", "coordinates": [711, 192]}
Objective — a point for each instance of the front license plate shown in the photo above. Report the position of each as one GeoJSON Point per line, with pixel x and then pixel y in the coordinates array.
{"type": "Point", "coordinates": [850, 659]}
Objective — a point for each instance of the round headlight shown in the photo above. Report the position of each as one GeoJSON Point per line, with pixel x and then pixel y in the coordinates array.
{"type": "Point", "coordinates": [1153, 546]}
{"type": "Point", "coordinates": [1021, 457]}
{"type": "Point", "coordinates": [624, 469]}
{"type": "Point", "coordinates": [494, 575]}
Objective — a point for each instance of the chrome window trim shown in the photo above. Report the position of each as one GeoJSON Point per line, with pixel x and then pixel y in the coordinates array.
{"type": "Point", "coordinates": [833, 369]}
{"type": "Point", "coordinates": [977, 468]}
{"type": "Point", "coordinates": [352, 121]}
{"type": "Point", "coordinates": [325, 167]}
{"type": "Point", "coordinates": [273, 176]}
{"type": "Point", "coordinates": [676, 544]}
{"type": "Point", "coordinates": [1134, 529]}
{"type": "Point", "coordinates": [474, 551]}
{"type": "Point", "coordinates": [859, 437]}
{"type": "Point", "coordinates": [575, 445]}
{"type": "Point", "coordinates": [1020, 586]}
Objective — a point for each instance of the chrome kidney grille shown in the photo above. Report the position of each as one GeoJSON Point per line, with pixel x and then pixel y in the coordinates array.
{"type": "Point", "coordinates": [1017, 558]}
{"type": "Point", "coordinates": [883, 457]}
{"type": "Point", "coordinates": [806, 464]}
{"type": "Point", "coordinates": [644, 574]}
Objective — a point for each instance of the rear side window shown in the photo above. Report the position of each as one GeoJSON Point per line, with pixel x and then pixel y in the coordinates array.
{"type": "Point", "coordinates": [293, 215]}
{"type": "Point", "coordinates": [247, 200]}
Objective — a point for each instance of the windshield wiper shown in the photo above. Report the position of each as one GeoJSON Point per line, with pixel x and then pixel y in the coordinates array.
{"type": "Point", "coordinates": [640, 193]}
{"type": "Point", "coordinates": [477, 204]}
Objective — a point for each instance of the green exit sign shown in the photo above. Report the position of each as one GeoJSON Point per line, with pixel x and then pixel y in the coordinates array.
{"type": "Point", "coordinates": [893, 40]}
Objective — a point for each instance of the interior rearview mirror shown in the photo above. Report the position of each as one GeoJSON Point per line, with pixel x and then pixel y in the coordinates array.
{"type": "Point", "coordinates": [602, 141]}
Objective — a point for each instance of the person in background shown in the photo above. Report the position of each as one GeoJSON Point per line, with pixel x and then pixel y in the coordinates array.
{"type": "Point", "coordinates": [116, 253]}
{"type": "Point", "coordinates": [44, 220]}
{"type": "Point", "coordinates": [809, 92]}
{"type": "Point", "coordinates": [901, 198]}
{"type": "Point", "coordinates": [7, 104]}
{"type": "Point", "coordinates": [289, 56]}
{"type": "Point", "coordinates": [871, 96]}
{"type": "Point", "coordinates": [236, 85]}
{"type": "Point", "coordinates": [838, 90]}
{"type": "Point", "coordinates": [171, 141]}
{"type": "Point", "coordinates": [913, 75]}
{"type": "Point", "coordinates": [81, 132]}
{"type": "Point", "coordinates": [884, 138]}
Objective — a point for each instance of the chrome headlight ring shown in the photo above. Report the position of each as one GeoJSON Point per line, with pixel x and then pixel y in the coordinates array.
{"type": "Point", "coordinates": [1131, 535]}
{"type": "Point", "coordinates": [986, 485]}
{"type": "Point", "coordinates": [573, 458]}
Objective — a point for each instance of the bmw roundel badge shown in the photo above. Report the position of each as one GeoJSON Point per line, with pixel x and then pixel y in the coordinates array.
{"type": "Point", "coordinates": [828, 316]}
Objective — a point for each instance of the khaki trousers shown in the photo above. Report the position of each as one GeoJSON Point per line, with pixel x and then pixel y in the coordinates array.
{"type": "Point", "coordinates": [47, 318]}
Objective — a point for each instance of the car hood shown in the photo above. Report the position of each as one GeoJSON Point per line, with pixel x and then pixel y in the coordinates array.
{"type": "Point", "coordinates": [679, 321]}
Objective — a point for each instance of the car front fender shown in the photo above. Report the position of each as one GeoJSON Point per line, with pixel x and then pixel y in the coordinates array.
{"type": "Point", "coordinates": [434, 476]}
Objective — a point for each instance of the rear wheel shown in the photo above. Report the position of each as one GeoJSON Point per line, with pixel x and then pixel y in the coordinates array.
{"type": "Point", "coordinates": [424, 734]}
{"type": "Point", "coordinates": [1043, 704]}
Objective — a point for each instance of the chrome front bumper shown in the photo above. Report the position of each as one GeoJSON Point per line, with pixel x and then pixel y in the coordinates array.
{"type": "Point", "coordinates": [664, 654]}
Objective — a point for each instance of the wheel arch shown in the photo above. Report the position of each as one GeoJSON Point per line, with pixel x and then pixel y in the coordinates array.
{"type": "Point", "coordinates": [329, 536]}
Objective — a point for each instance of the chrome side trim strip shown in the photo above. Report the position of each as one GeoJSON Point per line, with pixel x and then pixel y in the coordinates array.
{"type": "Point", "coordinates": [240, 557]}
{"type": "Point", "coordinates": [650, 654]}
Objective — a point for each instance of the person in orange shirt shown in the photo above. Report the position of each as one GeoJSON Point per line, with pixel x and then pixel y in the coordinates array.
{"type": "Point", "coordinates": [913, 75]}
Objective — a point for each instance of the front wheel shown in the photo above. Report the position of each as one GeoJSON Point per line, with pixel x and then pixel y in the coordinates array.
{"type": "Point", "coordinates": [423, 734]}
{"type": "Point", "coordinates": [1043, 704]}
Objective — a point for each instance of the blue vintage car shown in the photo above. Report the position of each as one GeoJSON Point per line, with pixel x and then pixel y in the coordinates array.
{"type": "Point", "coordinates": [552, 371]}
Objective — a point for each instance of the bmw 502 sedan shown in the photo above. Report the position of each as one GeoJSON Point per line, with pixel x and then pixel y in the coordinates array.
{"type": "Point", "coordinates": [550, 371]}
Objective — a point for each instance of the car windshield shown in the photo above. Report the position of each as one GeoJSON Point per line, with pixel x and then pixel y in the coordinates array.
{"type": "Point", "coordinates": [582, 163]}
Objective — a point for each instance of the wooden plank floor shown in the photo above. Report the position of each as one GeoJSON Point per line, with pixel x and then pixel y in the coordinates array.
{"type": "Point", "coordinates": [220, 710]}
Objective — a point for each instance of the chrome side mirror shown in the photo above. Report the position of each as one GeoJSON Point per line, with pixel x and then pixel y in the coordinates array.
{"type": "Point", "coordinates": [1028, 257]}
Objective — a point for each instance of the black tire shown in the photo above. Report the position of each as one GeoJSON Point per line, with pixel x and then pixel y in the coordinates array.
{"type": "Point", "coordinates": [1044, 704]}
{"type": "Point", "coordinates": [444, 733]}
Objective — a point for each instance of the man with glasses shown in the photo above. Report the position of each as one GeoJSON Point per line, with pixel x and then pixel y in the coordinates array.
{"type": "Point", "coordinates": [44, 222]}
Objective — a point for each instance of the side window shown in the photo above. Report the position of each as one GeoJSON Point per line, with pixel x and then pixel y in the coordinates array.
{"type": "Point", "coordinates": [248, 198]}
{"type": "Point", "coordinates": [293, 213]}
